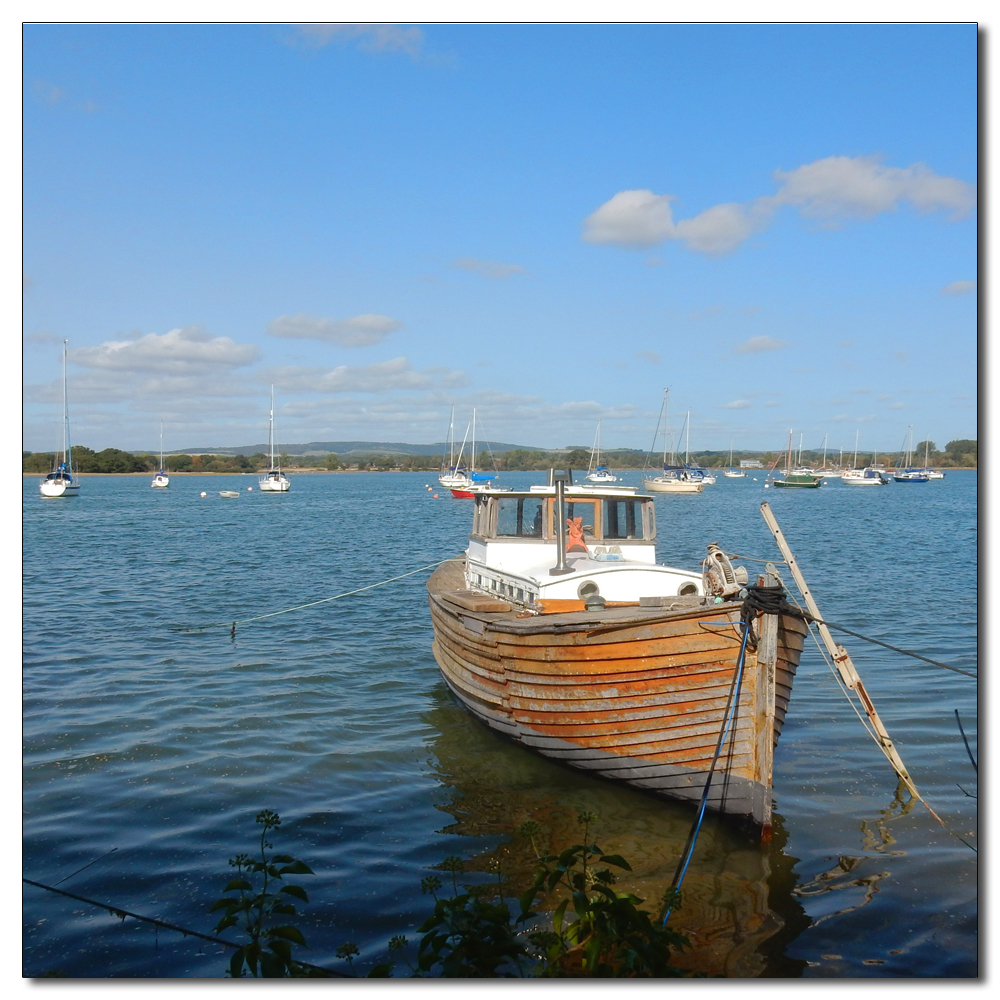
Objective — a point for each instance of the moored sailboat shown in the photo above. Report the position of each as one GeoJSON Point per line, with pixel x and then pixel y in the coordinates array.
{"type": "Point", "coordinates": [273, 481]}
{"type": "Point", "coordinates": [674, 478]}
{"type": "Point", "coordinates": [60, 482]}
{"type": "Point", "coordinates": [597, 473]}
{"type": "Point", "coordinates": [795, 478]}
{"type": "Point", "coordinates": [732, 473]}
{"type": "Point", "coordinates": [905, 471]}
{"type": "Point", "coordinates": [161, 480]}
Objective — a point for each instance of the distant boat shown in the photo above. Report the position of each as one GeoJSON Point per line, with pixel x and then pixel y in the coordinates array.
{"type": "Point", "coordinates": [732, 473]}
{"type": "Point", "coordinates": [229, 494]}
{"type": "Point", "coordinates": [597, 473]}
{"type": "Point", "coordinates": [698, 471]}
{"type": "Point", "coordinates": [905, 472]}
{"type": "Point", "coordinates": [869, 476]}
{"type": "Point", "coordinates": [272, 481]}
{"type": "Point", "coordinates": [60, 482]}
{"type": "Point", "coordinates": [161, 480]}
{"type": "Point", "coordinates": [795, 479]}
{"type": "Point", "coordinates": [931, 473]}
{"type": "Point", "coordinates": [474, 482]}
{"type": "Point", "coordinates": [452, 474]}
{"type": "Point", "coordinates": [674, 478]}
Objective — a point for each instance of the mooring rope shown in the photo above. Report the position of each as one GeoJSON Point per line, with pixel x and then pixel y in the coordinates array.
{"type": "Point", "coordinates": [117, 911]}
{"type": "Point", "coordinates": [313, 604]}
{"type": "Point", "coordinates": [734, 697]}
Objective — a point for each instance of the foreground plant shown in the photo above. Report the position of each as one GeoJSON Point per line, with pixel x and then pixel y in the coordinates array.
{"type": "Point", "coordinates": [268, 953]}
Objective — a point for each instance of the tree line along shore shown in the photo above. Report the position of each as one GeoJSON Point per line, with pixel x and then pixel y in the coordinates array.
{"type": "Point", "coordinates": [960, 454]}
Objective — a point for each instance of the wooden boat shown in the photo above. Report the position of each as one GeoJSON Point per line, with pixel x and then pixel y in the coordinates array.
{"type": "Point", "coordinates": [606, 660]}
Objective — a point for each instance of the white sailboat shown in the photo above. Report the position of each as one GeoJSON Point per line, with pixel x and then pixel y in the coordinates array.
{"type": "Point", "coordinates": [60, 481]}
{"type": "Point", "coordinates": [869, 476]}
{"type": "Point", "coordinates": [273, 481]}
{"type": "Point", "coordinates": [707, 478]}
{"type": "Point", "coordinates": [161, 480]}
{"type": "Point", "coordinates": [674, 478]}
{"type": "Point", "coordinates": [597, 473]}
{"type": "Point", "coordinates": [732, 473]}
{"type": "Point", "coordinates": [452, 474]}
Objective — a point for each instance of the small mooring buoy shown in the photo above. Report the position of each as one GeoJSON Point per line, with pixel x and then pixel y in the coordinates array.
{"type": "Point", "coordinates": [249, 489]}
{"type": "Point", "coordinates": [204, 494]}
{"type": "Point", "coordinates": [435, 496]}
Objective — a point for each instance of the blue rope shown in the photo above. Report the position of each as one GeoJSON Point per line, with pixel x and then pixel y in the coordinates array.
{"type": "Point", "coordinates": [734, 695]}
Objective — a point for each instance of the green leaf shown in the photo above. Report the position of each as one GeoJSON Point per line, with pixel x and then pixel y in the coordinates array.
{"type": "Point", "coordinates": [297, 891]}
{"type": "Point", "coordinates": [557, 917]}
{"type": "Point", "coordinates": [289, 934]}
{"type": "Point", "coordinates": [382, 971]}
{"type": "Point", "coordinates": [616, 859]}
{"type": "Point", "coordinates": [296, 868]}
{"type": "Point", "coordinates": [283, 908]}
{"type": "Point", "coordinates": [282, 858]}
{"type": "Point", "coordinates": [236, 962]}
{"type": "Point", "coordinates": [238, 883]}
{"type": "Point", "coordinates": [220, 903]}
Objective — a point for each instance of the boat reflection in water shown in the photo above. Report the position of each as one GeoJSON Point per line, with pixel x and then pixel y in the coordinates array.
{"type": "Point", "coordinates": [738, 908]}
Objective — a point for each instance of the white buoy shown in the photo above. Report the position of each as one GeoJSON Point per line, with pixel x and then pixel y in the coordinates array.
{"type": "Point", "coordinates": [249, 489]}
{"type": "Point", "coordinates": [767, 486]}
{"type": "Point", "coordinates": [204, 494]}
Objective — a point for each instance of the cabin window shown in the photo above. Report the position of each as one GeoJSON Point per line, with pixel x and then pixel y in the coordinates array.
{"type": "Point", "coordinates": [519, 517]}
{"type": "Point", "coordinates": [622, 519]}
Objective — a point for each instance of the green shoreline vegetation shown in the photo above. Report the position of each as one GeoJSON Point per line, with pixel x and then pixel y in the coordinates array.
{"type": "Point", "coordinates": [960, 454]}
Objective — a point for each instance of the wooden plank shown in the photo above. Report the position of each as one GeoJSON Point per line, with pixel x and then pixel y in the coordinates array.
{"type": "Point", "coordinates": [472, 600]}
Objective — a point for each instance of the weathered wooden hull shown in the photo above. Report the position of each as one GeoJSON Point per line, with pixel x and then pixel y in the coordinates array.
{"type": "Point", "coordinates": [634, 695]}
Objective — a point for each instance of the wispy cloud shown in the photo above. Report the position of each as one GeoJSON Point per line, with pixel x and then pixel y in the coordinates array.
{"type": "Point", "coordinates": [736, 404]}
{"type": "Point", "coordinates": [183, 351]}
{"type": "Point", "coordinates": [368, 37]}
{"type": "Point", "coordinates": [358, 331]}
{"type": "Point", "coordinates": [51, 94]}
{"type": "Point", "coordinates": [651, 356]}
{"type": "Point", "coordinates": [383, 376]}
{"type": "Point", "coordinates": [755, 345]}
{"type": "Point", "coordinates": [832, 189]}
{"type": "Point", "coordinates": [488, 268]}
{"type": "Point", "coordinates": [959, 288]}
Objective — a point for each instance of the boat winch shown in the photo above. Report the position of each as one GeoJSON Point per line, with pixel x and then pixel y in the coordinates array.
{"type": "Point", "coordinates": [719, 577]}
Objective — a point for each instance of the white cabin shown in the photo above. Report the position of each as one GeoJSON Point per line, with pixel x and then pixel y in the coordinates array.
{"type": "Point", "coordinates": [513, 547]}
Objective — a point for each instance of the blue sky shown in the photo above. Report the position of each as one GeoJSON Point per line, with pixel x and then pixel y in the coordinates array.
{"type": "Point", "coordinates": [550, 223]}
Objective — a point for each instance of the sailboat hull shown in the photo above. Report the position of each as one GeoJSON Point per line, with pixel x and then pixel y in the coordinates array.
{"type": "Point", "coordinates": [53, 489]}
{"type": "Point", "coordinates": [267, 484]}
{"type": "Point", "coordinates": [671, 486]}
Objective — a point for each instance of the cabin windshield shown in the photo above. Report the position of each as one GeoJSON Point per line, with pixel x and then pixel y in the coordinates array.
{"type": "Point", "coordinates": [519, 517]}
{"type": "Point", "coordinates": [622, 519]}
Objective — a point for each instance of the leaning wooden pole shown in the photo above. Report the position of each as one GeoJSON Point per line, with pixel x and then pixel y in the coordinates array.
{"type": "Point", "coordinates": [842, 660]}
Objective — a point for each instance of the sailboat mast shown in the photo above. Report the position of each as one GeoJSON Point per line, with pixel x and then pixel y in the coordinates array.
{"type": "Point", "coordinates": [161, 446]}
{"type": "Point", "coordinates": [666, 393]}
{"type": "Point", "coordinates": [451, 441]}
{"type": "Point", "coordinates": [67, 447]}
{"type": "Point", "coordinates": [270, 429]}
{"type": "Point", "coordinates": [687, 438]}
{"type": "Point", "coordinates": [472, 464]}
{"type": "Point", "coordinates": [856, 433]}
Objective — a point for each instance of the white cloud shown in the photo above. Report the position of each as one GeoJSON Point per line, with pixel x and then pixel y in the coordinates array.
{"type": "Point", "coordinates": [861, 186]}
{"type": "Point", "coordinates": [185, 351]}
{"type": "Point", "coordinates": [358, 331]}
{"type": "Point", "coordinates": [383, 376]}
{"type": "Point", "coordinates": [757, 344]}
{"type": "Point", "coordinates": [736, 404]}
{"type": "Point", "coordinates": [632, 219]}
{"type": "Point", "coordinates": [370, 37]}
{"type": "Point", "coordinates": [898, 406]}
{"type": "Point", "coordinates": [832, 188]}
{"type": "Point", "coordinates": [958, 288]}
{"type": "Point", "coordinates": [488, 268]}
{"type": "Point", "coordinates": [651, 356]}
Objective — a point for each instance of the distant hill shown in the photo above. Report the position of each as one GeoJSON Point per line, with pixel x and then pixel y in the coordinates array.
{"type": "Point", "coordinates": [355, 448]}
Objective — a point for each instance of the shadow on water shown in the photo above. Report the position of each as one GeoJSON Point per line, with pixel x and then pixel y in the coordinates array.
{"type": "Point", "coordinates": [740, 909]}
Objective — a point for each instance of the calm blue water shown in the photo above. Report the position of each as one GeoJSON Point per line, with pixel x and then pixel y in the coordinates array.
{"type": "Point", "coordinates": [148, 751]}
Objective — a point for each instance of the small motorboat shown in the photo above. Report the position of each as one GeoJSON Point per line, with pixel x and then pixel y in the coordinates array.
{"type": "Point", "coordinates": [228, 494]}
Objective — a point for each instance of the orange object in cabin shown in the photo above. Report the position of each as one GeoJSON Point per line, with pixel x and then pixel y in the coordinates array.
{"type": "Point", "coordinates": [574, 539]}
